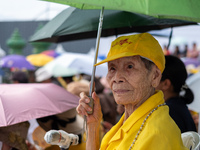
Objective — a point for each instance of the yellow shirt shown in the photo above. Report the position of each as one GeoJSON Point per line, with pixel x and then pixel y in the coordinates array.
{"type": "Point", "coordinates": [159, 132]}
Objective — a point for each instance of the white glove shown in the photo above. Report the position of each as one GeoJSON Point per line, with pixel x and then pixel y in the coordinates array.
{"type": "Point", "coordinates": [61, 138]}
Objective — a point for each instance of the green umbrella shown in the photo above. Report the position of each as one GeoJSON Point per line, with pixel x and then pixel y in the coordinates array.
{"type": "Point", "coordinates": [74, 24]}
{"type": "Point", "coordinates": [173, 9]}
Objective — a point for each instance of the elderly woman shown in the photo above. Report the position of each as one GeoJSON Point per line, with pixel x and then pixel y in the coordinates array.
{"type": "Point", "coordinates": [135, 65]}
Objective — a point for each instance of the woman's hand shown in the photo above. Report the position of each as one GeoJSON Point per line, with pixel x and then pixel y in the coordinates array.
{"type": "Point", "coordinates": [93, 120]}
{"type": "Point", "coordinates": [83, 107]}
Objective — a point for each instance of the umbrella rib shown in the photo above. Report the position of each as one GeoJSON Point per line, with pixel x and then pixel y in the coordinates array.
{"type": "Point", "coordinates": [48, 96]}
{"type": "Point", "coordinates": [40, 91]}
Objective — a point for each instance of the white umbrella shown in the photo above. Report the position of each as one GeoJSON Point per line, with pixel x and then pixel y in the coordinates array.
{"type": "Point", "coordinates": [194, 83]}
{"type": "Point", "coordinates": [74, 63]}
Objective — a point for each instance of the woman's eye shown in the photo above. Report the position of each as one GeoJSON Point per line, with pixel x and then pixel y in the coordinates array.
{"type": "Point", "coordinates": [111, 68]}
{"type": "Point", "coordinates": [130, 66]}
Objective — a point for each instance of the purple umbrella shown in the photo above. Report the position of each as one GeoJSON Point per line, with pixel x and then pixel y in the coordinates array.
{"type": "Point", "coordinates": [193, 61]}
{"type": "Point", "coordinates": [16, 61]}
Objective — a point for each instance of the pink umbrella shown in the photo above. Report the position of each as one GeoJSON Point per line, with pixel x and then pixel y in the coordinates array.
{"type": "Point", "coordinates": [51, 53]}
{"type": "Point", "coordinates": [22, 102]}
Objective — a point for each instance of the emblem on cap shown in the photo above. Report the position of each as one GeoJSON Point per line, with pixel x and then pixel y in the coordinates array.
{"type": "Point", "coordinates": [121, 42]}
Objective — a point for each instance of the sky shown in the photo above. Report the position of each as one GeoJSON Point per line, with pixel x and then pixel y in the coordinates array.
{"type": "Point", "coordinates": [34, 10]}
{"type": "Point", "coordinates": [31, 10]}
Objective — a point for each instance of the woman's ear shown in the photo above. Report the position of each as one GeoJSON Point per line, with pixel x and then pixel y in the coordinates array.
{"type": "Point", "coordinates": [156, 77]}
{"type": "Point", "coordinates": [166, 84]}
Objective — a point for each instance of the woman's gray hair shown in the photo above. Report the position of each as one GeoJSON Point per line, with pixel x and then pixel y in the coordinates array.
{"type": "Point", "coordinates": [148, 64]}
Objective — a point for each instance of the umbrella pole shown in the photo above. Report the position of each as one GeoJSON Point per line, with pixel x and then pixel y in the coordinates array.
{"type": "Point", "coordinates": [170, 37]}
{"type": "Point", "coordinates": [96, 50]}
{"type": "Point", "coordinates": [94, 68]}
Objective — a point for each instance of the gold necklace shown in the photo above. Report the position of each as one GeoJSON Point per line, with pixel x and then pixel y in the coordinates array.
{"type": "Point", "coordinates": [141, 127]}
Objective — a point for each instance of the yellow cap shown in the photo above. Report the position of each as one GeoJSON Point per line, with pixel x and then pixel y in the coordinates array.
{"type": "Point", "coordinates": [144, 45]}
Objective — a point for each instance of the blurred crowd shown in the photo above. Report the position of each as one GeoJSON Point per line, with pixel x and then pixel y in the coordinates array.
{"type": "Point", "coordinates": [192, 52]}
{"type": "Point", "coordinates": [189, 55]}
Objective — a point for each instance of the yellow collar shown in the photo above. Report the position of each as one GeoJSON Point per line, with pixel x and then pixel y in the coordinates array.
{"type": "Point", "coordinates": [116, 132]}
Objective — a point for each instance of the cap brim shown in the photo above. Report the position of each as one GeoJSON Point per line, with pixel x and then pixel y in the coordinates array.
{"type": "Point", "coordinates": [117, 56]}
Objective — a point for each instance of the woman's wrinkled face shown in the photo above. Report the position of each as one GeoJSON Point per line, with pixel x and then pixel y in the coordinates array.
{"type": "Point", "coordinates": [129, 80]}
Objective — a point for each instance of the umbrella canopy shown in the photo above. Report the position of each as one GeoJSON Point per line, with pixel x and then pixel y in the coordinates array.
{"type": "Point", "coordinates": [51, 53]}
{"type": "Point", "coordinates": [39, 59]}
{"type": "Point", "coordinates": [58, 70]}
{"type": "Point", "coordinates": [193, 82]}
{"type": "Point", "coordinates": [179, 9]}
{"type": "Point", "coordinates": [74, 63]}
{"type": "Point", "coordinates": [73, 24]}
{"type": "Point", "coordinates": [16, 61]}
{"type": "Point", "coordinates": [191, 61]}
{"type": "Point", "coordinates": [22, 102]}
